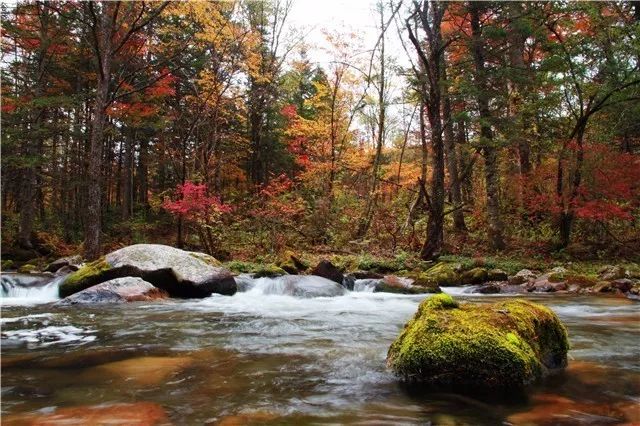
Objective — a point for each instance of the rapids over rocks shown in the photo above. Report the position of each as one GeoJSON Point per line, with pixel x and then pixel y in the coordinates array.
{"type": "Point", "coordinates": [274, 353]}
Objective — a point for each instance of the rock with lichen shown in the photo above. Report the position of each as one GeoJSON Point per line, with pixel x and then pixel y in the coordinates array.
{"type": "Point", "coordinates": [505, 345]}
{"type": "Point", "coordinates": [180, 273]}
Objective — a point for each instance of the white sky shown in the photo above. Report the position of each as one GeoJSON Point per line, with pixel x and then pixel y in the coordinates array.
{"type": "Point", "coordinates": [312, 17]}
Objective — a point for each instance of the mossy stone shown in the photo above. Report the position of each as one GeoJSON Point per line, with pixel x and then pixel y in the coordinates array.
{"type": "Point", "coordinates": [6, 264]}
{"type": "Point", "coordinates": [505, 345]}
{"type": "Point", "coordinates": [85, 277]}
{"type": "Point", "coordinates": [474, 276]}
{"type": "Point", "coordinates": [269, 271]}
{"type": "Point", "coordinates": [27, 268]}
{"type": "Point", "coordinates": [442, 274]}
{"type": "Point", "coordinates": [497, 275]}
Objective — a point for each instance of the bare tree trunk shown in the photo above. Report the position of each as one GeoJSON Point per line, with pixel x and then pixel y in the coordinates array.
{"type": "Point", "coordinates": [452, 160]}
{"type": "Point", "coordinates": [127, 177]}
{"type": "Point", "coordinates": [94, 194]}
{"type": "Point", "coordinates": [365, 223]}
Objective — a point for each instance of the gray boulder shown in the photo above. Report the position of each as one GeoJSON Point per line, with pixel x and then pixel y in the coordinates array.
{"type": "Point", "coordinates": [119, 290]}
{"type": "Point", "coordinates": [180, 273]}
{"type": "Point", "coordinates": [303, 286]}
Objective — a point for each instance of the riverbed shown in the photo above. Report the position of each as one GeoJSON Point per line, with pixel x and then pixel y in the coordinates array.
{"type": "Point", "coordinates": [256, 358]}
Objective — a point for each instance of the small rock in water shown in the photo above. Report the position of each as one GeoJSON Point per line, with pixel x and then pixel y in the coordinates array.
{"type": "Point", "coordinates": [119, 290]}
{"type": "Point", "coordinates": [326, 269]}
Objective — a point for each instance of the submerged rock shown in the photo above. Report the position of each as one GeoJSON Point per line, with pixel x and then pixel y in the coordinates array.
{"type": "Point", "coordinates": [118, 290]}
{"type": "Point", "coordinates": [180, 273]}
{"type": "Point", "coordinates": [133, 414]}
{"type": "Point", "coordinates": [329, 271]}
{"type": "Point", "coordinates": [143, 371]}
{"type": "Point", "coordinates": [477, 346]}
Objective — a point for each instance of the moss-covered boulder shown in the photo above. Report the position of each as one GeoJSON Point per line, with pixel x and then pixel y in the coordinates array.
{"type": "Point", "coordinates": [474, 276]}
{"type": "Point", "coordinates": [27, 268]}
{"type": "Point", "coordinates": [6, 265]}
{"type": "Point", "coordinates": [503, 345]}
{"type": "Point", "coordinates": [180, 273]}
{"type": "Point", "coordinates": [442, 274]}
{"type": "Point", "coordinates": [269, 271]}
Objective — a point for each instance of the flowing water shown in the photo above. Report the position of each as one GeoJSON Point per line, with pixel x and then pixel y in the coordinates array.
{"type": "Point", "coordinates": [264, 358]}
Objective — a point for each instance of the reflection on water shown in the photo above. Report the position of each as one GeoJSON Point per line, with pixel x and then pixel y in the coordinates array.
{"type": "Point", "coordinates": [261, 359]}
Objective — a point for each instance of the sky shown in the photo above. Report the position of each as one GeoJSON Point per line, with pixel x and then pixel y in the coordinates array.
{"type": "Point", "coordinates": [341, 16]}
{"type": "Point", "coordinates": [346, 16]}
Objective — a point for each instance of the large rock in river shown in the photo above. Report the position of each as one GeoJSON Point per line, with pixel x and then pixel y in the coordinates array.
{"type": "Point", "coordinates": [180, 273]}
{"type": "Point", "coordinates": [118, 290]}
{"type": "Point", "coordinates": [302, 286]}
{"type": "Point", "coordinates": [505, 345]}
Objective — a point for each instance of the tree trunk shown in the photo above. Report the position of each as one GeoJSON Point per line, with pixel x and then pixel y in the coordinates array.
{"type": "Point", "coordinates": [33, 144]}
{"type": "Point", "coordinates": [452, 160]}
{"type": "Point", "coordinates": [365, 223]}
{"type": "Point", "coordinates": [492, 178]}
{"type": "Point", "coordinates": [127, 177]}
{"type": "Point", "coordinates": [94, 194]}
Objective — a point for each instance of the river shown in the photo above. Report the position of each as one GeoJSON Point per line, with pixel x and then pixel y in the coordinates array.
{"type": "Point", "coordinates": [256, 358]}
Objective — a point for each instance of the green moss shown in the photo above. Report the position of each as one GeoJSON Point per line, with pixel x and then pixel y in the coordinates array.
{"type": "Point", "coordinates": [442, 274]}
{"type": "Point", "coordinates": [240, 267]}
{"type": "Point", "coordinates": [269, 271]}
{"type": "Point", "coordinates": [6, 264]}
{"type": "Point", "coordinates": [556, 277]}
{"type": "Point", "coordinates": [441, 301]}
{"type": "Point", "coordinates": [27, 268]}
{"type": "Point", "coordinates": [504, 345]}
{"type": "Point", "coordinates": [84, 277]}
{"type": "Point", "coordinates": [474, 276]}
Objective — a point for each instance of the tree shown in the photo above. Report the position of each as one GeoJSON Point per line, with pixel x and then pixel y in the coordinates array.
{"type": "Point", "coordinates": [428, 16]}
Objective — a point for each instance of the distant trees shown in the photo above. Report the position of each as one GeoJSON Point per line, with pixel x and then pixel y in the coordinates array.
{"type": "Point", "coordinates": [512, 124]}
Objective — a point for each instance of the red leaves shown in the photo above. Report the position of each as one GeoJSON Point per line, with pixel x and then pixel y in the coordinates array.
{"type": "Point", "coordinates": [194, 204]}
{"type": "Point", "coordinates": [610, 188]}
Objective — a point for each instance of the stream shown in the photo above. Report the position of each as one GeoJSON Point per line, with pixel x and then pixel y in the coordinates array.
{"type": "Point", "coordinates": [259, 357]}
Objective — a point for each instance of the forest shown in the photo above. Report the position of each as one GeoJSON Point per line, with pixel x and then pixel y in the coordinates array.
{"type": "Point", "coordinates": [329, 212]}
{"type": "Point", "coordinates": [460, 128]}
